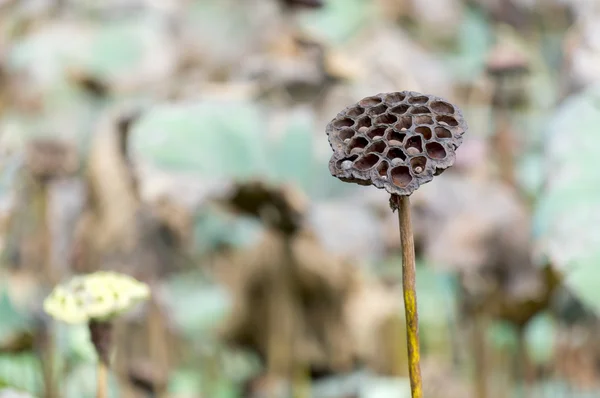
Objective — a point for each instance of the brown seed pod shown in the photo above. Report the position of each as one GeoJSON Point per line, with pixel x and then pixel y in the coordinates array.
{"type": "Point", "coordinates": [303, 3]}
{"type": "Point", "coordinates": [47, 158]}
{"type": "Point", "coordinates": [397, 141]}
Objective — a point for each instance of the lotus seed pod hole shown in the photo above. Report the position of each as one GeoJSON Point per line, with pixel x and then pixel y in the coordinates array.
{"type": "Point", "coordinates": [423, 119]}
{"type": "Point", "coordinates": [414, 145]}
{"type": "Point", "coordinates": [377, 147]}
{"type": "Point", "coordinates": [435, 150]}
{"type": "Point", "coordinates": [442, 132]}
{"type": "Point", "coordinates": [356, 111]}
{"type": "Point", "coordinates": [401, 176]}
{"type": "Point", "coordinates": [363, 124]}
{"type": "Point", "coordinates": [418, 164]}
{"type": "Point", "coordinates": [386, 119]}
{"type": "Point", "coordinates": [346, 134]}
{"type": "Point", "coordinates": [418, 100]}
{"type": "Point", "coordinates": [425, 132]}
{"type": "Point", "coordinates": [382, 168]}
{"type": "Point", "coordinates": [370, 101]}
{"type": "Point", "coordinates": [378, 110]}
{"type": "Point", "coordinates": [376, 132]}
{"type": "Point", "coordinates": [367, 162]}
{"type": "Point", "coordinates": [442, 107]}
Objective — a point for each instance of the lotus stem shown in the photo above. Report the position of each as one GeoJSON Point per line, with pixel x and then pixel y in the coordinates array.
{"type": "Point", "coordinates": [410, 296]}
{"type": "Point", "coordinates": [102, 380]}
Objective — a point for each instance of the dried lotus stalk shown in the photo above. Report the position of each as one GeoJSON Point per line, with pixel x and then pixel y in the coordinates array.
{"type": "Point", "coordinates": [398, 141]}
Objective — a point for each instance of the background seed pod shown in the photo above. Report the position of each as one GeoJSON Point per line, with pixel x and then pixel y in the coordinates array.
{"type": "Point", "coordinates": [397, 141]}
{"type": "Point", "coordinates": [48, 158]}
{"type": "Point", "coordinates": [303, 3]}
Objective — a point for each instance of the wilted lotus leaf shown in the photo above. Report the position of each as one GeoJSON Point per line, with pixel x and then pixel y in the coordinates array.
{"type": "Point", "coordinates": [100, 296]}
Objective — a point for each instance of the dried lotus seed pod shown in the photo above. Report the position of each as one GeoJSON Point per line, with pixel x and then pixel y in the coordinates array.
{"type": "Point", "coordinates": [397, 141]}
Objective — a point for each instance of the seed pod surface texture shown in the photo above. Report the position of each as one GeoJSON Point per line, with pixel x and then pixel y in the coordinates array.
{"type": "Point", "coordinates": [397, 141]}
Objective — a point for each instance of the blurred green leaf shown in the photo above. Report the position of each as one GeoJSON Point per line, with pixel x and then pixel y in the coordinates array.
{"type": "Point", "coordinates": [117, 47]}
{"type": "Point", "coordinates": [239, 366]}
{"type": "Point", "coordinates": [324, 186]}
{"type": "Point", "coordinates": [437, 307]}
{"type": "Point", "coordinates": [204, 138]}
{"type": "Point", "coordinates": [339, 20]}
{"type": "Point", "coordinates": [560, 389]}
{"type": "Point", "coordinates": [467, 62]}
{"type": "Point", "coordinates": [438, 292]}
{"type": "Point", "coordinates": [567, 220]}
{"type": "Point", "coordinates": [116, 51]}
{"type": "Point", "coordinates": [226, 389]}
{"type": "Point", "coordinates": [222, 27]}
{"type": "Point", "coordinates": [584, 280]}
{"type": "Point", "coordinates": [340, 385]}
{"type": "Point", "coordinates": [382, 387]}
{"type": "Point", "coordinates": [217, 139]}
{"type": "Point", "coordinates": [530, 173]}
{"type": "Point", "coordinates": [73, 343]}
{"type": "Point", "coordinates": [6, 392]}
{"type": "Point", "coordinates": [185, 382]}
{"type": "Point", "coordinates": [21, 371]}
{"type": "Point", "coordinates": [81, 383]}
{"type": "Point", "coordinates": [213, 229]}
{"type": "Point", "coordinates": [49, 51]}
{"type": "Point", "coordinates": [198, 307]}
{"type": "Point", "coordinates": [540, 337]}
{"type": "Point", "coordinates": [106, 50]}
{"type": "Point", "coordinates": [9, 168]}
{"type": "Point", "coordinates": [293, 153]}
{"type": "Point", "coordinates": [502, 336]}
{"type": "Point", "coordinates": [13, 320]}
{"type": "Point", "coordinates": [46, 57]}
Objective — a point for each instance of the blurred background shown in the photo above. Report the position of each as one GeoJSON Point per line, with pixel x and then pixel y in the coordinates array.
{"type": "Point", "coordinates": [183, 142]}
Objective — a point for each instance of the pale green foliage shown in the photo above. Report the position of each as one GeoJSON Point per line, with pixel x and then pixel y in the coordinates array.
{"type": "Point", "coordinates": [200, 306]}
{"type": "Point", "coordinates": [541, 338]}
{"type": "Point", "coordinates": [13, 321]}
{"type": "Point", "coordinates": [78, 383]}
{"type": "Point", "coordinates": [11, 393]}
{"type": "Point", "coordinates": [340, 20]}
{"type": "Point", "coordinates": [386, 388]}
{"type": "Point", "coordinates": [474, 40]}
{"type": "Point", "coordinates": [568, 215]}
{"type": "Point", "coordinates": [21, 372]}
{"type": "Point", "coordinates": [215, 138]}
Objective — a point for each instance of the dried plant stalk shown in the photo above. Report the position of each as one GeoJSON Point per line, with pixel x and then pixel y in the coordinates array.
{"type": "Point", "coordinates": [410, 295]}
{"type": "Point", "coordinates": [398, 141]}
{"type": "Point", "coordinates": [102, 379]}
{"type": "Point", "coordinates": [101, 337]}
